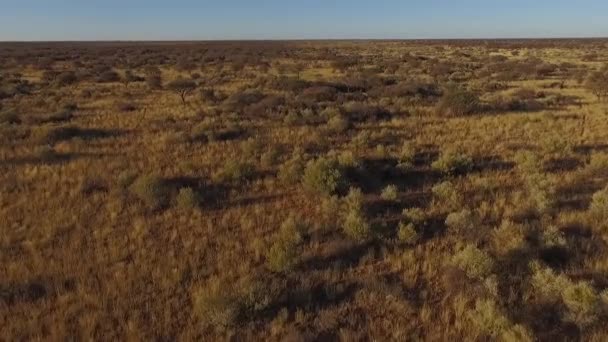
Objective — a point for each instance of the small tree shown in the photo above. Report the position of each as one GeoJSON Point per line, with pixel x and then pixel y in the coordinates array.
{"type": "Point", "coordinates": [153, 77]}
{"type": "Point", "coordinates": [182, 87]}
{"type": "Point", "coordinates": [129, 78]}
{"type": "Point", "coordinates": [597, 83]}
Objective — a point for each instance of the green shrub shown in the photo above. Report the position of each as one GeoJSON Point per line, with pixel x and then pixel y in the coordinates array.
{"type": "Point", "coordinates": [151, 190]}
{"type": "Point", "coordinates": [187, 198]}
{"type": "Point", "coordinates": [390, 193]}
{"type": "Point", "coordinates": [283, 254]}
{"type": "Point", "coordinates": [322, 176]}
{"type": "Point", "coordinates": [452, 162]}
{"type": "Point", "coordinates": [458, 102]}
{"type": "Point", "coordinates": [354, 221]}
{"type": "Point", "coordinates": [356, 226]}
{"type": "Point", "coordinates": [407, 234]}
{"type": "Point", "coordinates": [235, 171]}
{"type": "Point", "coordinates": [474, 262]}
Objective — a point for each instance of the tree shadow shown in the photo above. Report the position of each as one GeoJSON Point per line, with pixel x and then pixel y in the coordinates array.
{"type": "Point", "coordinates": [53, 158]}
{"type": "Point", "coordinates": [557, 165]}
{"type": "Point", "coordinates": [492, 164]}
{"type": "Point", "coordinates": [346, 255]}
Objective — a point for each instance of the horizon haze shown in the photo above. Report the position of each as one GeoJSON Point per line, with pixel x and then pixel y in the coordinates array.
{"type": "Point", "coordinates": [69, 20]}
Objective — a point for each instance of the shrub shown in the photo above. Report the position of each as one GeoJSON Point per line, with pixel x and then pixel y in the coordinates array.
{"type": "Point", "coordinates": [447, 195]}
{"type": "Point", "coordinates": [338, 124]}
{"type": "Point", "coordinates": [553, 237]}
{"type": "Point", "coordinates": [597, 83]}
{"type": "Point", "coordinates": [415, 215]}
{"type": "Point", "coordinates": [153, 77]}
{"type": "Point", "coordinates": [270, 157]}
{"type": "Point", "coordinates": [151, 190]}
{"type": "Point", "coordinates": [547, 284]}
{"type": "Point", "coordinates": [407, 234]}
{"type": "Point", "coordinates": [457, 102]}
{"type": "Point", "coordinates": [474, 262]}
{"type": "Point", "coordinates": [541, 191]}
{"type": "Point", "coordinates": [216, 305]}
{"type": "Point", "coordinates": [291, 171]}
{"type": "Point", "coordinates": [235, 171]}
{"type": "Point", "coordinates": [407, 155]}
{"type": "Point", "coordinates": [354, 221]}
{"type": "Point", "coordinates": [509, 237]}
{"type": "Point", "coordinates": [46, 154]}
{"type": "Point", "coordinates": [322, 176]}
{"type": "Point", "coordinates": [491, 322]}
{"type": "Point", "coordinates": [125, 179]}
{"type": "Point", "coordinates": [598, 210]}
{"type": "Point", "coordinates": [452, 162]}
{"type": "Point", "coordinates": [462, 221]}
{"type": "Point", "coordinates": [182, 87]}
{"type": "Point", "coordinates": [66, 78]}
{"type": "Point", "coordinates": [187, 198]}
{"type": "Point", "coordinates": [488, 319]}
{"type": "Point", "coordinates": [583, 303]}
{"type": "Point", "coordinates": [390, 193]}
{"type": "Point", "coordinates": [356, 226]}
{"type": "Point", "coordinates": [108, 77]}
{"type": "Point", "coordinates": [283, 254]}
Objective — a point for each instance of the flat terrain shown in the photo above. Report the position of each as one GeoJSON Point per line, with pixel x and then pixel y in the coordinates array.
{"type": "Point", "coordinates": [304, 191]}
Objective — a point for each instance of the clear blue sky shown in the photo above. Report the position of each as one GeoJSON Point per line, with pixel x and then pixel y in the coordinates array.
{"type": "Point", "coordinates": [299, 19]}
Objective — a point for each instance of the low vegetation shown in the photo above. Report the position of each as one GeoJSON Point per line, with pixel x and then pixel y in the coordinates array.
{"type": "Point", "coordinates": [304, 191]}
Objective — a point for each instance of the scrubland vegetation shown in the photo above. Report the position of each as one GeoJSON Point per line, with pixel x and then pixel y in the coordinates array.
{"type": "Point", "coordinates": [304, 191]}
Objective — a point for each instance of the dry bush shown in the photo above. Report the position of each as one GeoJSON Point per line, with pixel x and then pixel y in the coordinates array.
{"type": "Point", "coordinates": [452, 162]}
{"type": "Point", "coordinates": [151, 190]}
{"type": "Point", "coordinates": [216, 304]}
{"type": "Point", "coordinates": [407, 233]}
{"type": "Point", "coordinates": [390, 193]}
{"type": "Point", "coordinates": [283, 253]}
{"type": "Point", "coordinates": [457, 102]}
{"type": "Point", "coordinates": [476, 263]}
{"type": "Point", "coordinates": [597, 83]}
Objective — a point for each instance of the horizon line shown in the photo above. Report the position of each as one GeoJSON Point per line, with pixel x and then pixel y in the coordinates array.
{"type": "Point", "coordinates": [297, 39]}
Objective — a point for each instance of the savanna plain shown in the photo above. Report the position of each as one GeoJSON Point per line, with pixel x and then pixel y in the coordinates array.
{"type": "Point", "coordinates": [304, 191]}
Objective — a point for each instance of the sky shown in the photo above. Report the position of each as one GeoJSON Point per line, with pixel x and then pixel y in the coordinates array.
{"type": "Point", "coordinates": [41, 20]}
